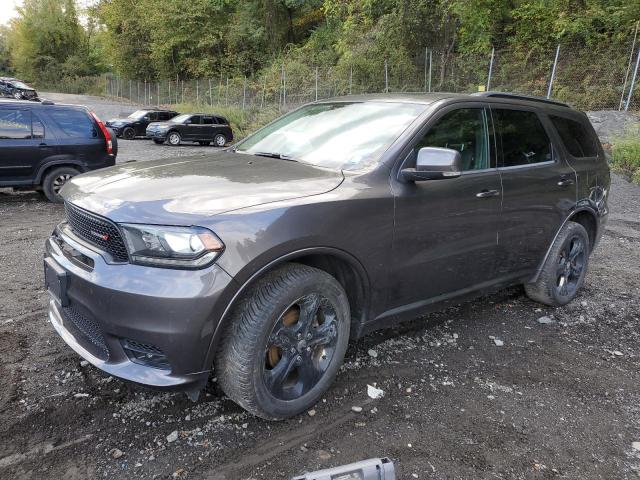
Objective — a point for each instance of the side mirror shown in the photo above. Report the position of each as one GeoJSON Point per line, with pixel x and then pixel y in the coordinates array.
{"type": "Point", "coordinates": [434, 163]}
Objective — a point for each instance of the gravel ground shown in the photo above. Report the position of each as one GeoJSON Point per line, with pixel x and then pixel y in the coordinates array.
{"type": "Point", "coordinates": [559, 399]}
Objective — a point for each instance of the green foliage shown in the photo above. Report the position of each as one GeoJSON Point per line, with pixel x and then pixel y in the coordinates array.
{"type": "Point", "coordinates": [626, 154]}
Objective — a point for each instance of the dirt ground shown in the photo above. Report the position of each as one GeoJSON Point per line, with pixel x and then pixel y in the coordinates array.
{"type": "Point", "coordinates": [557, 400]}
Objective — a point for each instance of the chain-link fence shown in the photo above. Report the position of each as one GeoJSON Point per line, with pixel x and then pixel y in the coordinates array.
{"type": "Point", "coordinates": [600, 77]}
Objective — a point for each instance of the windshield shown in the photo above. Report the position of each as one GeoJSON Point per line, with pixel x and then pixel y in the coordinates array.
{"type": "Point", "coordinates": [21, 85]}
{"type": "Point", "coordinates": [346, 136]}
{"type": "Point", "coordinates": [180, 118]}
{"type": "Point", "coordinates": [138, 114]}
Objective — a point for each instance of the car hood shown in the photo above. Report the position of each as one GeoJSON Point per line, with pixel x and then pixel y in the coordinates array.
{"type": "Point", "coordinates": [185, 190]}
{"type": "Point", "coordinates": [119, 120]}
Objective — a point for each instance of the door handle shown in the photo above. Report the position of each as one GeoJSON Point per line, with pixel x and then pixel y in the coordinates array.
{"type": "Point", "coordinates": [43, 145]}
{"type": "Point", "coordinates": [488, 193]}
{"type": "Point", "coordinates": [565, 182]}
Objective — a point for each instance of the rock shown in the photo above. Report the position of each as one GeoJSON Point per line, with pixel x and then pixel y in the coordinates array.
{"type": "Point", "coordinates": [618, 353]}
{"type": "Point", "coordinates": [187, 418]}
{"type": "Point", "coordinates": [116, 453]}
{"type": "Point", "coordinates": [498, 342]}
{"type": "Point", "coordinates": [546, 320]}
{"type": "Point", "coordinates": [374, 392]}
{"type": "Point", "coordinates": [356, 409]}
{"type": "Point", "coordinates": [324, 455]}
{"type": "Point", "coordinates": [373, 353]}
{"type": "Point", "coordinates": [245, 425]}
{"type": "Point", "coordinates": [84, 363]}
{"type": "Point", "coordinates": [172, 437]}
{"type": "Point", "coordinates": [81, 395]}
{"type": "Point", "coordinates": [311, 413]}
{"type": "Point", "coordinates": [180, 473]}
{"type": "Point", "coordinates": [583, 303]}
{"type": "Point", "coordinates": [636, 446]}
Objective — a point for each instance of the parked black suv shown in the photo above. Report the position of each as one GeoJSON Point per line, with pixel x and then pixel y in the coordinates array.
{"type": "Point", "coordinates": [345, 216]}
{"type": "Point", "coordinates": [12, 87]}
{"type": "Point", "coordinates": [43, 145]}
{"type": "Point", "coordinates": [203, 128]}
{"type": "Point", "coordinates": [135, 125]}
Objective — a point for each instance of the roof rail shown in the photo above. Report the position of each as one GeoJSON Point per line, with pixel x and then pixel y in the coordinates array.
{"type": "Point", "coordinates": [518, 96]}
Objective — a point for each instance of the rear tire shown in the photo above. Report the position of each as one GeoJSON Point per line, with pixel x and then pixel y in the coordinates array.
{"type": "Point", "coordinates": [55, 180]}
{"type": "Point", "coordinates": [219, 140]}
{"type": "Point", "coordinates": [174, 139]}
{"type": "Point", "coordinates": [564, 270]}
{"type": "Point", "coordinates": [285, 343]}
{"type": "Point", "coordinates": [128, 133]}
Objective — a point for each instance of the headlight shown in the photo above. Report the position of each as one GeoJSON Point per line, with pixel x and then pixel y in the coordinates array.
{"type": "Point", "coordinates": [178, 247]}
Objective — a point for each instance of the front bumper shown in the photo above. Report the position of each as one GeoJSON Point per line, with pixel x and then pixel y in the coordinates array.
{"type": "Point", "coordinates": [108, 306]}
{"type": "Point", "coordinates": [156, 134]}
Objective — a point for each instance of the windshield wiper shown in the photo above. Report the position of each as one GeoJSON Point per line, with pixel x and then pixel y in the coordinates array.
{"type": "Point", "coordinates": [279, 156]}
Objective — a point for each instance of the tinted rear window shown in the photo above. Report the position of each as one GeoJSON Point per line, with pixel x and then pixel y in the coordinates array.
{"type": "Point", "coordinates": [74, 123]}
{"type": "Point", "coordinates": [575, 137]}
{"type": "Point", "coordinates": [524, 139]}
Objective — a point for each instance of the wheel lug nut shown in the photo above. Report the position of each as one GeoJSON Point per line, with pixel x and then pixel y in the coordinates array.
{"type": "Point", "coordinates": [308, 349]}
{"type": "Point", "coordinates": [293, 350]}
{"type": "Point", "coordinates": [298, 359]}
{"type": "Point", "coordinates": [299, 336]}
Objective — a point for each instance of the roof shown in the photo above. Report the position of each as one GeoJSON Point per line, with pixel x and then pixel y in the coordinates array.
{"type": "Point", "coordinates": [429, 98]}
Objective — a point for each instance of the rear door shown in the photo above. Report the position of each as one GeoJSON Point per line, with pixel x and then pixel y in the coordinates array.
{"type": "Point", "coordinates": [207, 130]}
{"type": "Point", "coordinates": [79, 138]}
{"type": "Point", "coordinates": [539, 188]}
{"type": "Point", "coordinates": [23, 146]}
{"type": "Point", "coordinates": [583, 152]}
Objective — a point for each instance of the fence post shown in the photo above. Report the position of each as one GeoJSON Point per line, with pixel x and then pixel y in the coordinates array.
{"type": "Point", "coordinates": [244, 92]}
{"type": "Point", "coordinates": [430, 67]}
{"type": "Point", "coordinates": [386, 77]}
{"type": "Point", "coordinates": [197, 92]}
{"type": "Point", "coordinates": [426, 61]}
{"type": "Point", "coordinates": [316, 84]}
{"type": "Point", "coordinates": [626, 75]}
{"type": "Point", "coordinates": [633, 83]}
{"type": "Point", "coordinates": [350, 78]}
{"type": "Point", "coordinates": [158, 93]}
{"type": "Point", "coordinates": [553, 72]}
{"type": "Point", "coordinates": [264, 89]}
{"type": "Point", "coordinates": [226, 93]}
{"type": "Point", "coordinates": [210, 95]}
{"type": "Point", "coordinates": [493, 51]}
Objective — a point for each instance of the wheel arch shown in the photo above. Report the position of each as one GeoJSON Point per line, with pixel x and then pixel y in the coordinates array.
{"type": "Point", "coordinates": [585, 216]}
{"type": "Point", "coordinates": [47, 167]}
{"type": "Point", "coordinates": [345, 268]}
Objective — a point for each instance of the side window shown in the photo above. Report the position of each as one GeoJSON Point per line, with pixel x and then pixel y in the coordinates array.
{"type": "Point", "coordinates": [153, 116]}
{"type": "Point", "coordinates": [207, 120]}
{"type": "Point", "coordinates": [524, 139]}
{"type": "Point", "coordinates": [37, 127]}
{"type": "Point", "coordinates": [15, 124]}
{"type": "Point", "coordinates": [464, 130]}
{"type": "Point", "coordinates": [74, 123]}
{"type": "Point", "coordinates": [221, 121]}
{"type": "Point", "coordinates": [194, 120]}
{"type": "Point", "coordinates": [575, 137]}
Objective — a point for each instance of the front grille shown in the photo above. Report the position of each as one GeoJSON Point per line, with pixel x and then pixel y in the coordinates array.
{"type": "Point", "coordinates": [89, 329]}
{"type": "Point", "coordinates": [98, 231]}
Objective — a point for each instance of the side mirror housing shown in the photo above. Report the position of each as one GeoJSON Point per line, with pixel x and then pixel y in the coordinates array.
{"type": "Point", "coordinates": [434, 163]}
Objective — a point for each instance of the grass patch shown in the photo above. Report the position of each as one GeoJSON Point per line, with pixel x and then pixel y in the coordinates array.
{"type": "Point", "coordinates": [243, 121]}
{"type": "Point", "coordinates": [625, 154]}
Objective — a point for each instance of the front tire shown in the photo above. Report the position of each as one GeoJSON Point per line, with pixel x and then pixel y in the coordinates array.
{"type": "Point", "coordinates": [564, 270]}
{"type": "Point", "coordinates": [174, 139]}
{"type": "Point", "coordinates": [285, 343]}
{"type": "Point", "coordinates": [55, 180]}
{"type": "Point", "coordinates": [128, 133]}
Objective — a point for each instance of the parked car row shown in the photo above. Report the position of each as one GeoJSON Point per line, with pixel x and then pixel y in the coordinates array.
{"type": "Point", "coordinates": [12, 87]}
{"type": "Point", "coordinates": [168, 126]}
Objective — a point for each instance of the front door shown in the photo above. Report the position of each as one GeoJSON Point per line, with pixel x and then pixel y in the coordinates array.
{"type": "Point", "coordinates": [446, 230]}
{"type": "Point", "coordinates": [191, 130]}
{"type": "Point", "coordinates": [539, 189]}
{"type": "Point", "coordinates": [22, 144]}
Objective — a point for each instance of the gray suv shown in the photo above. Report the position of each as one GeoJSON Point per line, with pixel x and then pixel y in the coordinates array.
{"type": "Point", "coordinates": [344, 216]}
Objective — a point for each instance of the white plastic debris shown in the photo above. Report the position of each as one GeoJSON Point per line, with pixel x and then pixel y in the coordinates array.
{"type": "Point", "coordinates": [498, 342]}
{"type": "Point", "coordinates": [172, 437]}
{"type": "Point", "coordinates": [374, 392]}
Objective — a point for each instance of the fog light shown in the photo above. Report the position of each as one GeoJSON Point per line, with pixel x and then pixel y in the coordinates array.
{"type": "Point", "coordinates": [145, 354]}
